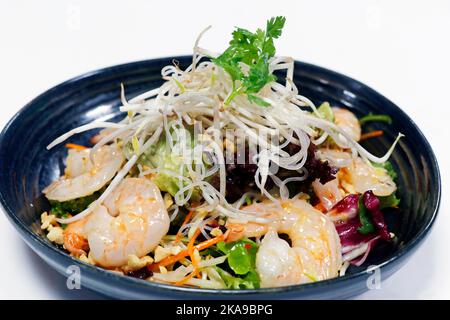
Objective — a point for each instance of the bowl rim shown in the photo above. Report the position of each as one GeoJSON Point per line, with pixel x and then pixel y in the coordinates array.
{"type": "Point", "coordinates": [167, 288]}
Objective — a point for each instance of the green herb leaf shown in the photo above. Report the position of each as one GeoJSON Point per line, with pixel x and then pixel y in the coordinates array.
{"type": "Point", "coordinates": [257, 100]}
{"type": "Point", "coordinates": [258, 76]}
{"type": "Point", "coordinates": [275, 26]}
{"type": "Point", "coordinates": [254, 50]}
{"type": "Point", "coordinates": [230, 64]}
{"type": "Point", "coordinates": [375, 117]}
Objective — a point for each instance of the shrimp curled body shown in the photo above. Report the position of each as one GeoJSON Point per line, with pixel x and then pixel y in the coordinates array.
{"type": "Point", "coordinates": [131, 221]}
{"type": "Point", "coordinates": [364, 176]}
{"type": "Point", "coordinates": [315, 252]}
{"type": "Point", "coordinates": [82, 176]}
{"type": "Point", "coordinates": [348, 122]}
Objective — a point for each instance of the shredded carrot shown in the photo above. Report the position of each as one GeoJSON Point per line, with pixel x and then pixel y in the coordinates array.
{"type": "Point", "coordinates": [201, 246]}
{"type": "Point", "coordinates": [185, 279]}
{"type": "Point", "coordinates": [194, 261]}
{"type": "Point", "coordinates": [191, 249]}
{"type": "Point", "coordinates": [75, 146]}
{"type": "Point", "coordinates": [186, 220]}
{"type": "Point", "coordinates": [371, 134]}
{"type": "Point", "coordinates": [320, 207]}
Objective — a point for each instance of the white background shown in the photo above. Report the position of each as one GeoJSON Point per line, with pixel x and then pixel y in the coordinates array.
{"type": "Point", "coordinates": [400, 48]}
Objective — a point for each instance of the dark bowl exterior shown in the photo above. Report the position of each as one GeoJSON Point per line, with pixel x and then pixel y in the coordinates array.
{"type": "Point", "coordinates": [26, 167]}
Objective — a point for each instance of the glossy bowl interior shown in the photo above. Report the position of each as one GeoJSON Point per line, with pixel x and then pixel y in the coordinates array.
{"type": "Point", "coordinates": [26, 167]}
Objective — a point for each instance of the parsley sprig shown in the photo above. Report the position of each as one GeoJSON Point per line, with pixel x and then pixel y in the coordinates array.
{"type": "Point", "coordinates": [254, 50]}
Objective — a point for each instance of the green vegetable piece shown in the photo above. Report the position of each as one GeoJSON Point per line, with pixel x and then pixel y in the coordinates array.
{"type": "Point", "coordinates": [366, 222]}
{"type": "Point", "coordinates": [241, 255]}
{"type": "Point", "coordinates": [375, 117]}
{"type": "Point", "coordinates": [248, 201]}
{"type": "Point", "coordinates": [390, 201]}
{"type": "Point", "coordinates": [253, 278]}
{"type": "Point", "coordinates": [160, 156]}
{"type": "Point", "coordinates": [239, 261]}
{"type": "Point", "coordinates": [326, 112]}
{"type": "Point", "coordinates": [63, 225]}
{"type": "Point", "coordinates": [73, 206]}
{"type": "Point", "coordinates": [250, 281]}
{"type": "Point", "coordinates": [169, 161]}
{"type": "Point", "coordinates": [56, 209]}
{"type": "Point", "coordinates": [388, 167]}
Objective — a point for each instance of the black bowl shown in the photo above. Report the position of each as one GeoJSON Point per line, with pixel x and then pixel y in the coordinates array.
{"type": "Point", "coordinates": [26, 167]}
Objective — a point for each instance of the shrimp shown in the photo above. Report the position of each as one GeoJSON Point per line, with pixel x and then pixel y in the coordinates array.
{"type": "Point", "coordinates": [102, 134]}
{"type": "Point", "coordinates": [131, 221]}
{"type": "Point", "coordinates": [239, 230]}
{"type": "Point", "coordinates": [336, 158]}
{"type": "Point", "coordinates": [77, 163]}
{"type": "Point", "coordinates": [348, 122]}
{"type": "Point", "coordinates": [328, 193]}
{"type": "Point", "coordinates": [74, 241]}
{"type": "Point", "coordinates": [363, 177]}
{"type": "Point", "coordinates": [315, 253]}
{"type": "Point", "coordinates": [82, 176]}
{"type": "Point", "coordinates": [277, 263]}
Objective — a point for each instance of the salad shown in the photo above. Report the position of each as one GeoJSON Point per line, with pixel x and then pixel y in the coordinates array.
{"type": "Point", "coordinates": [224, 177]}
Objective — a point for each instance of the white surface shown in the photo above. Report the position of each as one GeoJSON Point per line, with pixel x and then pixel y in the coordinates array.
{"type": "Point", "coordinates": [400, 48]}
